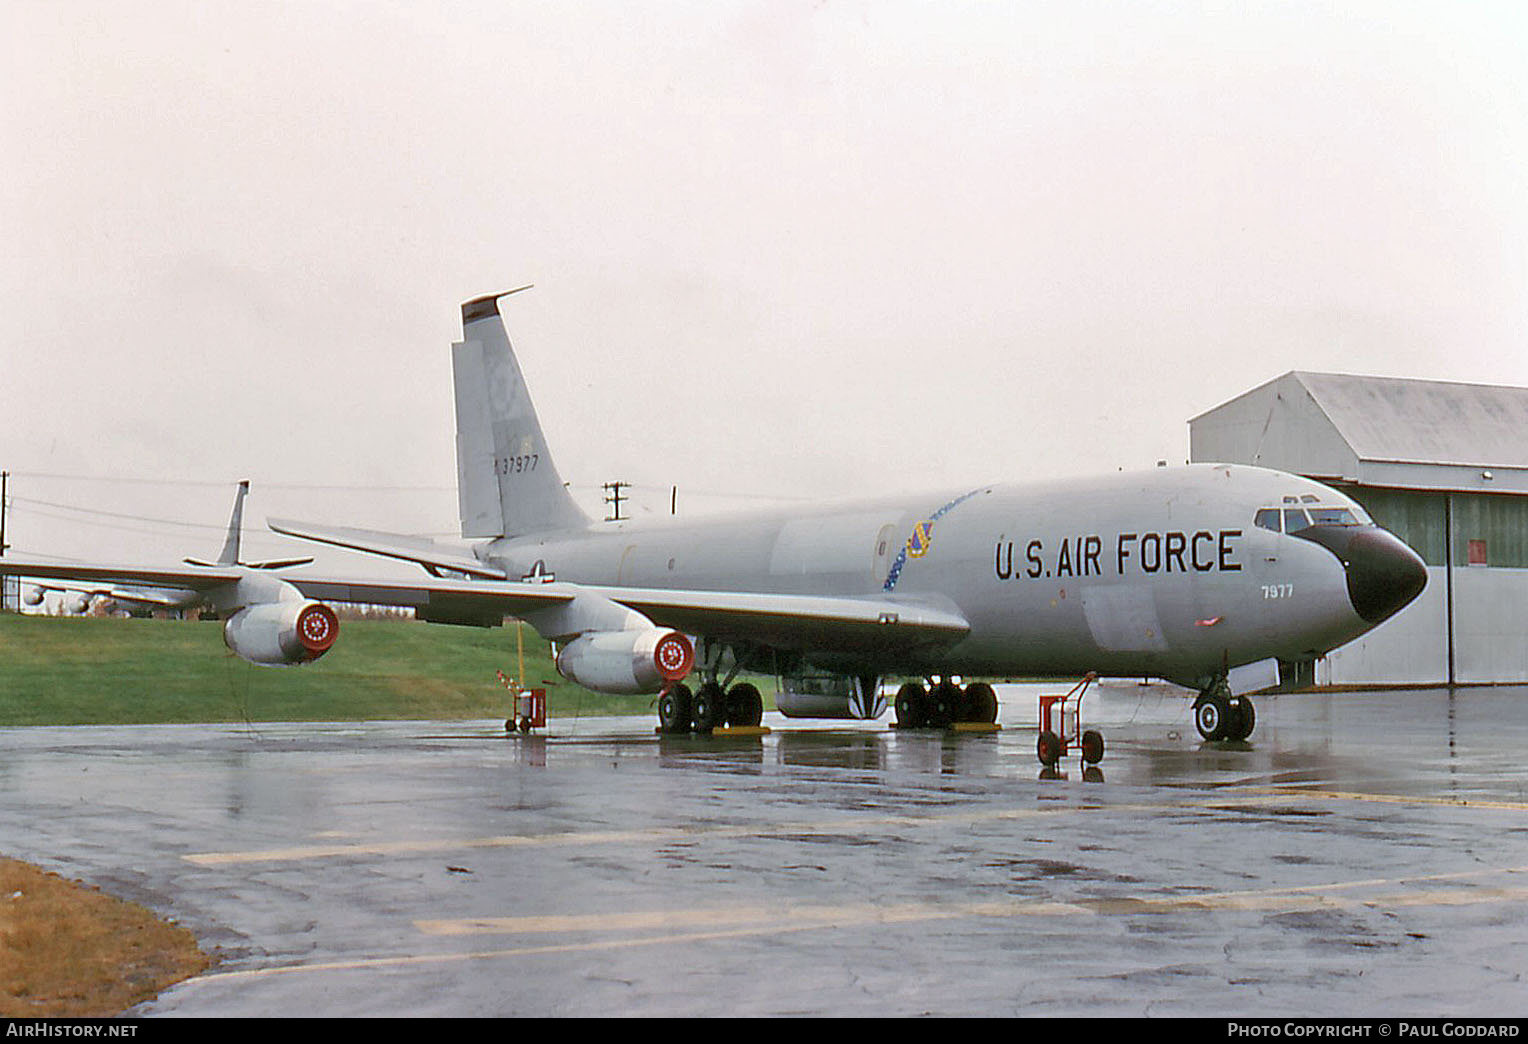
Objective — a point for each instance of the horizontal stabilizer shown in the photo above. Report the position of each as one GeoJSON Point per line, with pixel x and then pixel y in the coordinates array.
{"type": "Point", "coordinates": [271, 563]}
{"type": "Point", "coordinates": [434, 557]}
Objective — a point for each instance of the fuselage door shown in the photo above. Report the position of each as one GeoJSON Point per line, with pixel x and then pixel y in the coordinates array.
{"type": "Point", "coordinates": [885, 549]}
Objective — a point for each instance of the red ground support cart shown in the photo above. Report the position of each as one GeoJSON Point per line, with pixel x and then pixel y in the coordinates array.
{"type": "Point", "coordinates": [1061, 727]}
{"type": "Point", "coordinates": [529, 710]}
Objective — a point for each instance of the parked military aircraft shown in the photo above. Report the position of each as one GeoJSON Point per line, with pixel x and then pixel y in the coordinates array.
{"type": "Point", "coordinates": [266, 621]}
{"type": "Point", "coordinates": [1203, 575]}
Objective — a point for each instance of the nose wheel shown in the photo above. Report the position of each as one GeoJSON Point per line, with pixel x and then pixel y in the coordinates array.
{"type": "Point", "coordinates": [1219, 715]}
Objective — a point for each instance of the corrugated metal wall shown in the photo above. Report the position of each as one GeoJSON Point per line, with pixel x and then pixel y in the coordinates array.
{"type": "Point", "coordinates": [1471, 624]}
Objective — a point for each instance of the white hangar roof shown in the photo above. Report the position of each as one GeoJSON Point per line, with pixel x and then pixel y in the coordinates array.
{"type": "Point", "coordinates": [1374, 431]}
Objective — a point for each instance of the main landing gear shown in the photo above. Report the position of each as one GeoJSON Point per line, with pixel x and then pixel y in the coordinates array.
{"type": "Point", "coordinates": [1220, 715]}
{"type": "Point", "coordinates": [945, 703]}
{"type": "Point", "coordinates": [709, 707]}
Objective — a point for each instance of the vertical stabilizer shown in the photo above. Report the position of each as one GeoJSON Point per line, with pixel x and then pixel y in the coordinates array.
{"type": "Point", "coordinates": [506, 483]}
{"type": "Point", "coordinates": [230, 553]}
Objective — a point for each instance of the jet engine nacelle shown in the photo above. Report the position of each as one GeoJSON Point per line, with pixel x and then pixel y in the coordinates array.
{"type": "Point", "coordinates": [282, 634]}
{"type": "Point", "coordinates": [33, 595]}
{"type": "Point", "coordinates": [627, 662]}
{"type": "Point", "coordinates": [76, 602]}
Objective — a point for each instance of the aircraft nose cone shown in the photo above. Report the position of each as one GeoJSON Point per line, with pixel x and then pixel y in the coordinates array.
{"type": "Point", "coordinates": [1384, 575]}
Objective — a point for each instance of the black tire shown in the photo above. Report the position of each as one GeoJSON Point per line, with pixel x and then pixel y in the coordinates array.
{"type": "Point", "coordinates": [745, 707]}
{"type": "Point", "coordinates": [912, 706]}
{"type": "Point", "coordinates": [708, 708]}
{"type": "Point", "coordinates": [1213, 716]}
{"type": "Point", "coordinates": [1048, 748]}
{"type": "Point", "coordinates": [981, 703]}
{"type": "Point", "coordinates": [943, 704]}
{"type": "Point", "coordinates": [1244, 720]}
{"type": "Point", "coordinates": [1092, 747]}
{"type": "Point", "coordinates": [674, 710]}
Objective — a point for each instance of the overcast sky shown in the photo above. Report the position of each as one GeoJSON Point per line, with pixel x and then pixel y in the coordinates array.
{"type": "Point", "coordinates": [780, 249]}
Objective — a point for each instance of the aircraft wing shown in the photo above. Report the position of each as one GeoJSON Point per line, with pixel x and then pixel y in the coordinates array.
{"type": "Point", "coordinates": [192, 578]}
{"type": "Point", "coordinates": [786, 621]}
{"type": "Point", "coordinates": [803, 622]}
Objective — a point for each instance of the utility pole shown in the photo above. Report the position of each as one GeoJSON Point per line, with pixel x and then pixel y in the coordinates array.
{"type": "Point", "coordinates": [613, 498]}
{"type": "Point", "coordinates": [7, 583]}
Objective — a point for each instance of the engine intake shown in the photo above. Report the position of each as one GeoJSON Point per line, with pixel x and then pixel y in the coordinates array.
{"type": "Point", "coordinates": [627, 662]}
{"type": "Point", "coordinates": [282, 634]}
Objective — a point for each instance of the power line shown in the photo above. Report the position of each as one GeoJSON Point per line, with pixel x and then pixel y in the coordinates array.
{"type": "Point", "coordinates": [220, 483]}
{"type": "Point", "coordinates": [113, 514]}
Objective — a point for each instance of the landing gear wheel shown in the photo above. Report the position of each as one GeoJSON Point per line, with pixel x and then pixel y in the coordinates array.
{"type": "Point", "coordinates": [1048, 749]}
{"type": "Point", "coordinates": [981, 704]}
{"type": "Point", "coordinates": [1245, 718]}
{"type": "Point", "coordinates": [1213, 716]}
{"type": "Point", "coordinates": [525, 724]}
{"type": "Point", "coordinates": [1092, 747]}
{"type": "Point", "coordinates": [745, 707]}
{"type": "Point", "coordinates": [709, 707]}
{"type": "Point", "coordinates": [674, 710]}
{"type": "Point", "coordinates": [912, 706]}
{"type": "Point", "coordinates": [943, 704]}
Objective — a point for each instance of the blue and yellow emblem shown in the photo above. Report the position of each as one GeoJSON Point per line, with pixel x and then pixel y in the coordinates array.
{"type": "Point", "coordinates": [922, 539]}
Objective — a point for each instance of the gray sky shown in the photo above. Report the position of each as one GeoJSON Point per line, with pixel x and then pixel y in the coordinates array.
{"type": "Point", "coordinates": [780, 249]}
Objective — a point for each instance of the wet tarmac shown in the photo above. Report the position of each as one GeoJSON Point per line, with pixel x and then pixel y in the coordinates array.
{"type": "Point", "coordinates": [1365, 854]}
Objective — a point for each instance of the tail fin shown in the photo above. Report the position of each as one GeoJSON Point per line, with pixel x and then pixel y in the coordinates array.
{"type": "Point", "coordinates": [230, 555]}
{"type": "Point", "coordinates": [506, 483]}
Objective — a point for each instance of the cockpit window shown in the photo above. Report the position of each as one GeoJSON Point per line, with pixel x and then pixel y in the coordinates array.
{"type": "Point", "coordinates": [1309, 498]}
{"type": "Point", "coordinates": [1333, 516]}
{"type": "Point", "coordinates": [1294, 519]}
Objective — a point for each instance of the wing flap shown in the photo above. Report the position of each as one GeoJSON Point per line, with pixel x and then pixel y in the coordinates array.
{"type": "Point", "coordinates": [804, 622]}
{"type": "Point", "coordinates": [479, 603]}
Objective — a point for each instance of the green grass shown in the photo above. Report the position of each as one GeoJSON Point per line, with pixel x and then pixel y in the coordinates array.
{"type": "Point", "coordinates": [90, 670]}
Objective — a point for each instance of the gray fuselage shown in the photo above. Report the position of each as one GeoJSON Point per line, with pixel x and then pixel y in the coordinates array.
{"type": "Point", "coordinates": [1162, 573]}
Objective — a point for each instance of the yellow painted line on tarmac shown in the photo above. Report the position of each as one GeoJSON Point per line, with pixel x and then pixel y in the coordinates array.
{"type": "Point", "coordinates": [652, 928]}
{"type": "Point", "coordinates": [1399, 799]}
{"type": "Point", "coordinates": [699, 831]}
{"type": "Point", "coordinates": [598, 837]}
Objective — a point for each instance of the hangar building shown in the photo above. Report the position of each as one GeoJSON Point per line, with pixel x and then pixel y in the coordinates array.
{"type": "Point", "coordinates": [1445, 467]}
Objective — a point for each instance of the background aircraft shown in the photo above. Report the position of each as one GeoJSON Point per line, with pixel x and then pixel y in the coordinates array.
{"type": "Point", "coordinates": [266, 620]}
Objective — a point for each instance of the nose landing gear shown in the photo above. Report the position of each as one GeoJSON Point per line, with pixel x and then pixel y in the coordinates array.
{"type": "Point", "coordinates": [1220, 715]}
